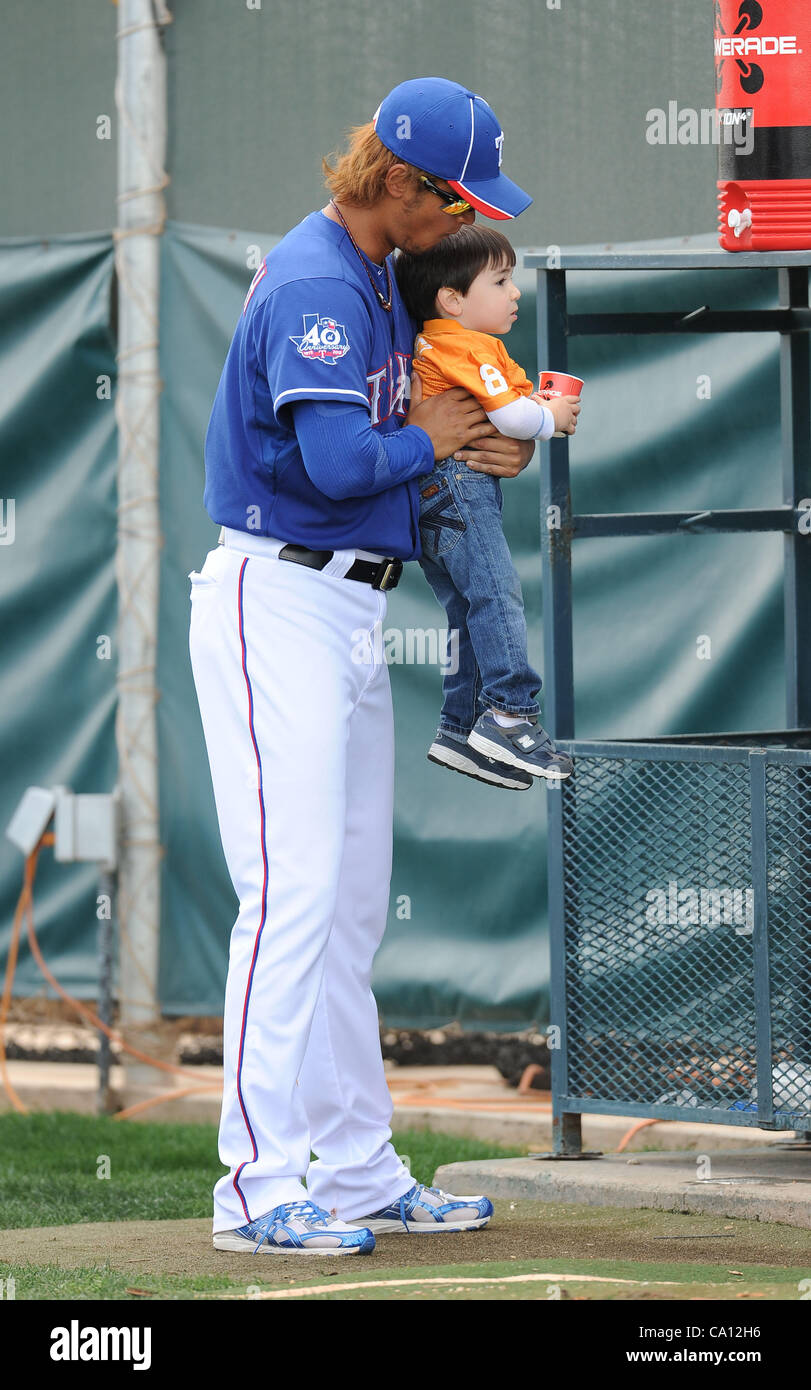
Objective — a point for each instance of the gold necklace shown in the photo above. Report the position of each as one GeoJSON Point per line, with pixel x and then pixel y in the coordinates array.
{"type": "Point", "coordinates": [384, 303]}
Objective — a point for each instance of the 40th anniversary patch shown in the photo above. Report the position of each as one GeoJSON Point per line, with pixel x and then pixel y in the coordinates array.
{"type": "Point", "coordinates": [323, 339]}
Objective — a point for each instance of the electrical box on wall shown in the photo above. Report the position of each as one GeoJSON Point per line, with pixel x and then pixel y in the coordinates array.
{"type": "Point", "coordinates": [31, 818]}
{"type": "Point", "coordinates": [85, 827]}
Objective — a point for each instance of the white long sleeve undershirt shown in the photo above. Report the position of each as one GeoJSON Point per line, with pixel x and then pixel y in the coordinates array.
{"type": "Point", "coordinates": [523, 419]}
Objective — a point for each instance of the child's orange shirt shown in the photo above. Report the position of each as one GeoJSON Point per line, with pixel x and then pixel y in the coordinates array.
{"type": "Point", "coordinates": [446, 354]}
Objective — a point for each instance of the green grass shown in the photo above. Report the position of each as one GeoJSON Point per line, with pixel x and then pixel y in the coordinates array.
{"type": "Point", "coordinates": [659, 1280]}
{"type": "Point", "coordinates": [48, 1177]}
{"type": "Point", "coordinates": [49, 1165]}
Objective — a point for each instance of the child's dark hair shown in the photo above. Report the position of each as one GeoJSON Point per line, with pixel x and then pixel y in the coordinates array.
{"type": "Point", "coordinates": [455, 262]}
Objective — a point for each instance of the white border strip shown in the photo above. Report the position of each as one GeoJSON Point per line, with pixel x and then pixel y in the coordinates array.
{"type": "Point", "coordinates": [306, 391]}
{"type": "Point", "coordinates": [470, 146]}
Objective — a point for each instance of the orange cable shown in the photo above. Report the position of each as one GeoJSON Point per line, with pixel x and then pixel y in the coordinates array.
{"type": "Point", "coordinates": [25, 908]}
{"type": "Point", "coordinates": [507, 1106]}
{"type": "Point", "coordinates": [11, 966]}
{"type": "Point", "coordinates": [86, 1013]}
{"type": "Point", "coordinates": [626, 1138]}
{"type": "Point", "coordinates": [167, 1095]}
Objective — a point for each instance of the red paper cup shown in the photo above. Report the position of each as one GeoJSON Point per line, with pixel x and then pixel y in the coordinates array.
{"type": "Point", "coordinates": [559, 384]}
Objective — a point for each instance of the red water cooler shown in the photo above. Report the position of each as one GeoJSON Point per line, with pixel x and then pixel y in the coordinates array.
{"type": "Point", "coordinates": [763, 98]}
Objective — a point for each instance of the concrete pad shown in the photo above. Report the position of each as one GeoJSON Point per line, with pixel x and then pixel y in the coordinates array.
{"type": "Point", "coordinates": [478, 1075]}
{"type": "Point", "coordinates": [74, 1086]}
{"type": "Point", "coordinates": [600, 1132]}
{"type": "Point", "coordinates": [762, 1183]}
{"type": "Point", "coordinates": [58, 1085]}
{"type": "Point", "coordinates": [462, 1083]}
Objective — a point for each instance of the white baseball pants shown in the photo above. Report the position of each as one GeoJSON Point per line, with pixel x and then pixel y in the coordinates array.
{"type": "Point", "coordinates": [299, 733]}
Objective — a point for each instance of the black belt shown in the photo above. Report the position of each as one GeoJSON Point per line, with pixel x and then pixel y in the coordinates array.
{"type": "Point", "coordinates": [385, 574]}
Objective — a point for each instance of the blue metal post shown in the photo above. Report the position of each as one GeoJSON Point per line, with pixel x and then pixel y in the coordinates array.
{"type": "Point", "coordinates": [556, 529]}
{"type": "Point", "coordinates": [760, 936]}
{"type": "Point", "coordinates": [795, 422]}
{"type": "Point", "coordinates": [566, 1126]}
{"type": "Point", "coordinates": [558, 677]}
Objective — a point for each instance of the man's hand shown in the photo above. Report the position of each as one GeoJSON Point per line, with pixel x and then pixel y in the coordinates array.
{"type": "Point", "coordinates": [497, 454]}
{"type": "Point", "coordinates": [451, 420]}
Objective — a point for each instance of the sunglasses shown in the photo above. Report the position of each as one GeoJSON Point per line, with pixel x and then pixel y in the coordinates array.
{"type": "Point", "coordinates": [454, 206]}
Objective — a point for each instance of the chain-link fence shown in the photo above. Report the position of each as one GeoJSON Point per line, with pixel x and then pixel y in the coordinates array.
{"type": "Point", "coordinates": [683, 905]}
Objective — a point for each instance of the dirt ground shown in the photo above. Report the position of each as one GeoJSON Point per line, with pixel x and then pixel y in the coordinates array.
{"type": "Point", "coordinates": [522, 1231]}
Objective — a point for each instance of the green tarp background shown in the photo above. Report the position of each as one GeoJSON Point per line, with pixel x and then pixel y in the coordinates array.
{"type": "Point", "coordinates": [256, 96]}
{"type": "Point", "coordinates": [57, 576]}
{"type": "Point", "coordinates": [469, 874]}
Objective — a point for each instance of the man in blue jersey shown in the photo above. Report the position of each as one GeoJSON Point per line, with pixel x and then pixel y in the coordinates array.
{"type": "Point", "coordinates": [313, 455]}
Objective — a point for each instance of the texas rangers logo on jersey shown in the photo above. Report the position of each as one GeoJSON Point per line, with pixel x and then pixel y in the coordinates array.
{"type": "Point", "coordinates": [390, 388]}
{"type": "Point", "coordinates": [323, 340]}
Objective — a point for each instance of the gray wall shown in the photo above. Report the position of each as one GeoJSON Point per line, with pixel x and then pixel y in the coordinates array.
{"type": "Point", "coordinates": [257, 96]}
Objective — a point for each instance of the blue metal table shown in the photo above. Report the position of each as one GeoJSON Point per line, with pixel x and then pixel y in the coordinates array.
{"type": "Point", "coordinates": [665, 1002]}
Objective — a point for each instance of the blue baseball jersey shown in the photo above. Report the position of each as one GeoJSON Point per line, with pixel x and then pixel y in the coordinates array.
{"type": "Point", "coordinates": [311, 328]}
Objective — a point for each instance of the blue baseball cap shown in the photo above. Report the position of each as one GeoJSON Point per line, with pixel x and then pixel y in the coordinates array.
{"type": "Point", "coordinates": [447, 130]}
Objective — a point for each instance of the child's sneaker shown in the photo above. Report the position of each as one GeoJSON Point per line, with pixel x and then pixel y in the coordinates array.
{"type": "Point", "coordinates": [297, 1228]}
{"type": "Point", "coordinates": [526, 746]}
{"type": "Point", "coordinates": [460, 757]}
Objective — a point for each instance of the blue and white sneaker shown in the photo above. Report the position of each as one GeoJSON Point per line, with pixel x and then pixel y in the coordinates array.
{"type": "Point", "coordinates": [422, 1210]}
{"type": "Point", "coordinates": [460, 757]}
{"type": "Point", "coordinates": [299, 1228]}
{"type": "Point", "coordinates": [526, 746]}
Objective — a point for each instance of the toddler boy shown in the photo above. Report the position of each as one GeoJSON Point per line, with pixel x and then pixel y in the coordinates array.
{"type": "Point", "coordinates": [462, 292]}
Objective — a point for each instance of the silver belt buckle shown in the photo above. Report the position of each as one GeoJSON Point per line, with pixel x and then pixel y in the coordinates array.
{"type": "Point", "coordinates": [388, 569]}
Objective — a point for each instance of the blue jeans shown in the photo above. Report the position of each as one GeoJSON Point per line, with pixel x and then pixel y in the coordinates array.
{"type": "Point", "coordinates": [467, 562]}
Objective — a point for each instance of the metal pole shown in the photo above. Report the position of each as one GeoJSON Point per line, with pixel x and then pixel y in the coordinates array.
{"type": "Point", "coordinates": [556, 527]}
{"type": "Point", "coordinates": [795, 421]}
{"type": "Point", "coordinates": [760, 937]}
{"type": "Point", "coordinates": [795, 429]}
{"type": "Point", "coordinates": [105, 1006]}
{"type": "Point", "coordinates": [558, 678]}
{"type": "Point", "coordinates": [141, 108]}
